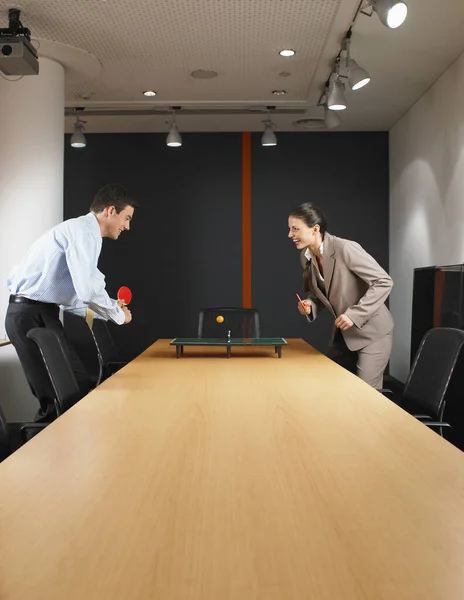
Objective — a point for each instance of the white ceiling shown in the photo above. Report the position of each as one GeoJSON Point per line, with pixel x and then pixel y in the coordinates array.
{"type": "Point", "coordinates": [157, 44]}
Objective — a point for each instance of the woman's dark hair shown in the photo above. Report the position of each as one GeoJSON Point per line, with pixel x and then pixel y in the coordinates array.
{"type": "Point", "coordinates": [112, 194]}
{"type": "Point", "coordinates": [311, 215]}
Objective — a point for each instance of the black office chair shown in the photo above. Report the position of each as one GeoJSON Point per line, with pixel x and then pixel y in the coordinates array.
{"type": "Point", "coordinates": [107, 349]}
{"type": "Point", "coordinates": [14, 434]}
{"type": "Point", "coordinates": [54, 351]}
{"type": "Point", "coordinates": [81, 337]}
{"type": "Point", "coordinates": [5, 443]}
{"type": "Point", "coordinates": [241, 322]}
{"type": "Point", "coordinates": [425, 389]}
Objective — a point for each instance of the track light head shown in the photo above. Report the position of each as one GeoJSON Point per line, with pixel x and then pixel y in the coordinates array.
{"type": "Point", "coordinates": [269, 137]}
{"type": "Point", "coordinates": [174, 139]}
{"type": "Point", "coordinates": [392, 13]}
{"type": "Point", "coordinates": [336, 95]}
{"type": "Point", "coordinates": [78, 139]}
{"type": "Point", "coordinates": [357, 76]}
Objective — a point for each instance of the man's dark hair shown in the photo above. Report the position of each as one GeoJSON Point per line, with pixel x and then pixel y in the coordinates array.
{"type": "Point", "coordinates": [112, 194]}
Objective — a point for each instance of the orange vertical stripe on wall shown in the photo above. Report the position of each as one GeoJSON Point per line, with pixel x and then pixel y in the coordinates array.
{"type": "Point", "coordinates": [246, 219]}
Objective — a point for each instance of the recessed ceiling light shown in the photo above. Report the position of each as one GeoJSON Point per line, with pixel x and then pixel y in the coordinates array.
{"type": "Point", "coordinates": [287, 52]}
{"type": "Point", "coordinates": [279, 92]}
{"type": "Point", "coordinates": [149, 93]}
{"type": "Point", "coordinates": [314, 123]}
{"type": "Point", "coordinates": [203, 74]}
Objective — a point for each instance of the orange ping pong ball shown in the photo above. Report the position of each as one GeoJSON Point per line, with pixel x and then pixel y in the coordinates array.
{"type": "Point", "coordinates": [220, 319]}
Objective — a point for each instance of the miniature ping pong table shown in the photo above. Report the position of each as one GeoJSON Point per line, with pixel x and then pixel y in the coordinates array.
{"type": "Point", "coordinates": [180, 343]}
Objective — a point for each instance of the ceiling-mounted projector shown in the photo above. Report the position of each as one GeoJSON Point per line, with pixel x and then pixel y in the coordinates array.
{"type": "Point", "coordinates": [17, 55]}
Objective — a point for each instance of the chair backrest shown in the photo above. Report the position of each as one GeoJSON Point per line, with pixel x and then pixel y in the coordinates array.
{"type": "Point", "coordinates": [81, 337]}
{"type": "Point", "coordinates": [53, 348]}
{"type": "Point", "coordinates": [104, 341]}
{"type": "Point", "coordinates": [5, 446]}
{"type": "Point", "coordinates": [431, 371]}
{"type": "Point", "coordinates": [241, 322]}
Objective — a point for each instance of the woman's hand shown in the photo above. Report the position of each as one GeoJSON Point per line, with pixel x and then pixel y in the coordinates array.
{"type": "Point", "coordinates": [304, 307]}
{"type": "Point", "coordinates": [343, 322]}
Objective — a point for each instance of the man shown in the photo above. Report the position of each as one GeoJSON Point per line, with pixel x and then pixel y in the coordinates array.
{"type": "Point", "coordinates": [61, 268]}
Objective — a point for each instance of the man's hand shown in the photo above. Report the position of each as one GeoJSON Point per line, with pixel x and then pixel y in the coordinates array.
{"type": "Point", "coordinates": [343, 322]}
{"type": "Point", "coordinates": [304, 307]}
{"type": "Point", "coordinates": [127, 314]}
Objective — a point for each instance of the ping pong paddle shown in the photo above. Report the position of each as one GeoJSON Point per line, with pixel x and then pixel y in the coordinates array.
{"type": "Point", "coordinates": [124, 294]}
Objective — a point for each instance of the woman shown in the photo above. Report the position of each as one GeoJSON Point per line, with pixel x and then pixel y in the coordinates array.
{"type": "Point", "coordinates": [342, 277]}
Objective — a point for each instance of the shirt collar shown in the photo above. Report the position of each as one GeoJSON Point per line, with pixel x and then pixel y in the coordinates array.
{"type": "Point", "coordinates": [308, 254]}
{"type": "Point", "coordinates": [92, 219]}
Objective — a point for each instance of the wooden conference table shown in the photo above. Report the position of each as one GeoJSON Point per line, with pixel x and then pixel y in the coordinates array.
{"type": "Point", "coordinates": [253, 478]}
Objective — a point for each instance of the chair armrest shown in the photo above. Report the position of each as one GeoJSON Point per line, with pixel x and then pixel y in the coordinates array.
{"type": "Point", "coordinates": [396, 399]}
{"type": "Point", "coordinates": [422, 417]}
{"type": "Point", "coordinates": [119, 364]}
{"type": "Point", "coordinates": [110, 368]}
{"type": "Point", "coordinates": [30, 427]}
{"type": "Point", "coordinates": [436, 424]}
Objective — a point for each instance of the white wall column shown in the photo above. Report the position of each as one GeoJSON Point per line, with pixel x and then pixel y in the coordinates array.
{"type": "Point", "coordinates": [426, 197]}
{"type": "Point", "coordinates": [31, 194]}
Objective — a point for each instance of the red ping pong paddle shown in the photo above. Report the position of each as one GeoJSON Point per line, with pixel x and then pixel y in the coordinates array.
{"type": "Point", "coordinates": [124, 294]}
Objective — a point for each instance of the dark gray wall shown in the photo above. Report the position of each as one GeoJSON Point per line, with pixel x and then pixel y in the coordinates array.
{"type": "Point", "coordinates": [184, 248]}
{"type": "Point", "coordinates": [183, 251]}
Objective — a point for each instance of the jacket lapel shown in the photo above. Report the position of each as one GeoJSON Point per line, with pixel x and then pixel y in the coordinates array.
{"type": "Point", "coordinates": [328, 262]}
{"type": "Point", "coordinates": [316, 289]}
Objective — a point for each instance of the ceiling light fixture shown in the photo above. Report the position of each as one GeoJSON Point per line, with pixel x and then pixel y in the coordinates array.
{"type": "Point", "coordinates": [331, 118]}
{"type": "Point", "coordinates": [149, 93]}
{"type": "Point", "coordinates": [336, 100]}
{"type": "Point", "coordinates": [174, 139]}
{"type": "Point", "coordinates": [310, 123]}
{"type": "Point", "coordinates": [336, 92]}
{"type": "Point", "coordinates": [78, 139]}
{"type": "Point", "coordinates": [279, 92]}
{"type": "Point", "coordinates": [357, 76]}
{"type": "Point", "coordinates": [203, 74]}
{"type": "Point", "coordinates": [287, 52]}
{"type": "Point", "coordinates": [268, 138]}
{"type": "Point", "coordinates": [390, 12]}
